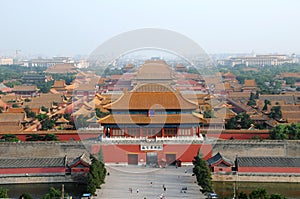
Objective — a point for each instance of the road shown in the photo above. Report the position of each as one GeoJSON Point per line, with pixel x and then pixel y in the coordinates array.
{"type": "Point", "coordinates": [149, 183]}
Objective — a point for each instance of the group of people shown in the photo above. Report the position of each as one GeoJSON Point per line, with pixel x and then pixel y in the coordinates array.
{"type": "Point", "coordinates": [162, 196]}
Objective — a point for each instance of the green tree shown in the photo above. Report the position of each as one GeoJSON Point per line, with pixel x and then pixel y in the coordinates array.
{"type": "Point", "coordinates": [41, 117]}
{"type": "Point", "coordinates": [44, 86]}
{"type": "Point", "coordinates": [266, 103]}
{"type": "Point", "coordinates": [286, 131]}
{"type": "Point", "coordinates": [81, 121]}
{"type": "Point", "coordinates": [47, 124]}
{"type": "Point", "coordinates": [257, 95]}
{"type": "Point", "coordinates": [208, 114]}
{"type": "Point", "coordinates": [3, 193]}
{"type": "Point", "coordinates": [50, 137]}
{"type": "Point", "coordinates": [29, 113]}
{"type": "Point", "coordinates": [252, 101]}
{"type": "Point", "coordinates": [259, 193]}
{"type": "Point", "coordinates": [202, 173]}
{"type": "Point", "coordinates": [277, 196]}
{"type": "Point", "coordinates": [12, 84]}
{"type": "Point", "coordinates": [25, 196]}
{"type": "Point", "coordinates": [278, 134]}
{"type": "Point", "coordinates": [34, 137]}
{"type": "Point", "coordinates": [241, 120]}
{"type": "Point", "coordinates": [96, 175]}
{"type": "Point", "coordinates": [9, 138]}
{"type": "Point", "coordinates": [293, 131]}
{"type": "Point", "coordinates": [242, 195]}
{"type": "Point", "coordinates": [91, 184]}
{"type": "Point", "coordinates": [276, 112]}
{"type": "Point", "coordinates": [100, 114]}
{"type": "Point", "coordinates": [44, 109]}
{"type": "Point", "coordinates": [15, 105]}
{"type": "Point", "coordinates": [69, 78]}
{"type": "Point", "coordinates": [52, 194]}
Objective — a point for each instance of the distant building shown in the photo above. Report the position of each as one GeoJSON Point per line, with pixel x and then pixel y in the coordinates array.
{"type": "Point", "coordinates": [259, 60]}
{"type": "Point", "coordinates": [219, 163]}
{"type": "Point", "coordinates": [61, 68]}
{"type": "Point", "coordinates": [157, 71]}
{"type": "Point", "coordinates": [33, 79]}
{"type": "Point", "coordinates": [6, 61]}
{"type": "Point", "coordinates": [26, 90]}
{"type": "Point", "coordinates": [249, 85]}
{"type": "Point", "coordinates": [59, 86]}
{"type": "Point", "coordinates": [128, 67]}
{"type": "Point", "coordinates": [5, 89]}
{"type": "Point", "coordinates": [12, 122]}
{"type": "Point", "coordinates": [47, 62]}
{"type": "Point", "coordinates": [180, 68]}
{"type": "Point", "coordinates": [229, 77]}
{"type": "Point", "coordinates": [83, 64]}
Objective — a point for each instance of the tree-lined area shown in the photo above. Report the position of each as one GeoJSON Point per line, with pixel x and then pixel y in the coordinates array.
{"type": "Point", "coordinates": [202, 173]}
{"type": "Point", "coordinates": [286, 132]}
{"type": "Point", "coordinates": [96, 175]}
{"type": "Point", "coordinates": [266, 77]}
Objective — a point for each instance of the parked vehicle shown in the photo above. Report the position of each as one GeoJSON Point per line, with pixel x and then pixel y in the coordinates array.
{"type": "Point", "coordinates": [86, 196]}
{"type": "Point", "coordinates": [212, 196]}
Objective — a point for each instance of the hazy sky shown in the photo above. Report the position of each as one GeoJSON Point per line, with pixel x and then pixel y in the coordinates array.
{"type": "Point", "coordinates": [71, 27]}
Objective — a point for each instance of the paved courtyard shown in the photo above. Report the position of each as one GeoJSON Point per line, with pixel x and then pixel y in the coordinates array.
{"type": "Point", "coordinates": [149, 183]}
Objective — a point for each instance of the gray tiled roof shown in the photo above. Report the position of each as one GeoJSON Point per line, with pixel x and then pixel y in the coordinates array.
{"type": "Point", "coordinates": [32, 162]}
{"type": "Point", "coordinates": [216, 158]}
{"type": "Point", "coordinates": [268, 162]}
{"type": "Point", "coordinates": [80, 158]}
{"type": "Point", "coordinates": [288, 99]}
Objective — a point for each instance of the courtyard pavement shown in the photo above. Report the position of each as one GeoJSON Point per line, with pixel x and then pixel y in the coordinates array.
{"type": "Point", "coordinates": [149, 183]}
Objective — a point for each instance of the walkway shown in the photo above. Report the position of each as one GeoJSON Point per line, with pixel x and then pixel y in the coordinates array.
{"type": "Point", "coordinates": [121, 179]}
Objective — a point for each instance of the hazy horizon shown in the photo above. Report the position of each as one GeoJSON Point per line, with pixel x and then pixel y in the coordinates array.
{"type": "Point", "coordinates": [69, 28]}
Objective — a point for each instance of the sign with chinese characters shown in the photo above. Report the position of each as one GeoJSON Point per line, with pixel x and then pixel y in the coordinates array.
{"type": "Point", "coordinates": [150, 147]}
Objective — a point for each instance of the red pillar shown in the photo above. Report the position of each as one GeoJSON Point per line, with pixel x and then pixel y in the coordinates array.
{"type": "Point", "coordinates": [125, 132]}
{"type": "Point", "coordinates": [141, 132]}
{"type": "Point", "coordinates": [104, 132]}
{"type": "Point", "coordinates": [192, 131]}
{"type": "Point", "coordinates": [163, 132]}
{"type": "Point", "coordinates": [111, 132]}
{"type": "Point", "coordinates": [147, 132]}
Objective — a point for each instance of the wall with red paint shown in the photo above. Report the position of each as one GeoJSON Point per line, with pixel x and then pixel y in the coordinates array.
{"type": "Point", "coordinates": [63, 136]}
{"type": "Point", "coordinates": [237, 136]}
{"type": "Point", "coordinates": [269, 169]}
{"type": "Point", "coordinates": [32, 170]}
{"type": "Point", "coordinates": [119, 153]}
{"type": "Point", "coordinates": [222, 169]}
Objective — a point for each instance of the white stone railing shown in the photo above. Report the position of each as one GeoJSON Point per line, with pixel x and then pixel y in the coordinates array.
{"type": "Point", "coordinates": [179, 138]}
{"type": "Point", "coordinates": [156, 139]}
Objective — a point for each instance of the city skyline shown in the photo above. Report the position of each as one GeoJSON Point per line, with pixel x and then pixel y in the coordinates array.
{"type": "Point", "coordinates": [70, 28]}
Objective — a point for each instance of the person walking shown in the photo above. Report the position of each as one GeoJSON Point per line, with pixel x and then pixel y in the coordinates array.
{"type": "Point", "coordinates": [164, 187]}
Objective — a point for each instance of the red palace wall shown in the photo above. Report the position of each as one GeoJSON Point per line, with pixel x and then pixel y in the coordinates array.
{"type": "Point", "coordinates": [238, 136]}
{"type": "Point", "coordinates": [119, 153]}
{"type": "Point", "coordinates": [222, 169]}
{"type": "Point", "coordinates": [269, 169]}
{"type": "Point", "coordinates": [64, 136]}
{"type": "Point", "coordinates": [32, 170]}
